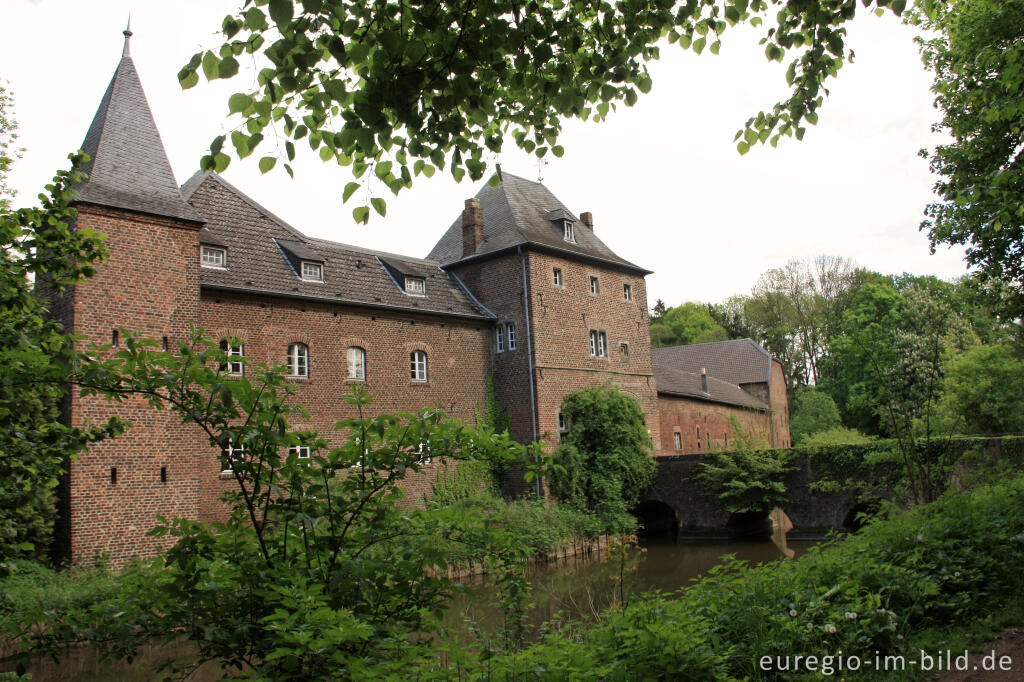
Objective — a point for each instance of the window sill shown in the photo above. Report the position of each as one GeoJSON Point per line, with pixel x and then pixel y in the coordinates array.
{"type": "Point", "coordinates": [418, 382]}
{"type": "Point", "coordinates": [296, 378]}
{"type": "Point", "coordinates": [353, 380]}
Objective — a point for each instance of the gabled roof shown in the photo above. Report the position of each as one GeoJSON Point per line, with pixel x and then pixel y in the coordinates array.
{"type": "Point", "coordinates": [673, 381]}
{"type": "Point", "coordinates": [740, 361]}
{"type": "Point", "coordinates": [256, 262]}
{"type": "Point", "coordinates": [129, 167]}
{"type": "Point", "coordinates": [518, 212]}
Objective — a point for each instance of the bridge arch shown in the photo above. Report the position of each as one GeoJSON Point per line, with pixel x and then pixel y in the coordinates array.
{"type": "Point", "coordinates": [657, 519]}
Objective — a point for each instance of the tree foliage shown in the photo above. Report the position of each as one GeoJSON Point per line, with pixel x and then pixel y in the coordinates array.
{"type": "Point", "coordinates": [319, 572]}
{"type": "Point", "coordinates": [400, 88]}
{"type": "Point", "coordinates": [984, 390]}
{"type": "Point", "coordinates": [976, 50]}
{"type": "Point", "coordinates": [813, 411]}
{"type": "Point", "coordinates": [8, 152]}
{"type": "Point", "coordinates": [604, 462]}
{"type": "Point", "coordinates": [38, 246]}
{"type": "Point", "coordinates": [686, 323]}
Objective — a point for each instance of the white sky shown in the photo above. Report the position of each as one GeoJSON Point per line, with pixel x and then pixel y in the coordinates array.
{"type": "Point", "coordinates": [663, 179]}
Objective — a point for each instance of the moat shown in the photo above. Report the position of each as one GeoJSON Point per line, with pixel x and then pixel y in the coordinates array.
{"type": "Point", "coordinates": [571, 589]}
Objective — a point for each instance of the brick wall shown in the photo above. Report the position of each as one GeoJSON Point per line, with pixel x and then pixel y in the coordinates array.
{"type": "Point", "coordinates": [562, 317]}
{"type": "Point", "coordinates": [704, 426]}
{"type": "Point", "coordinates": [779, 401]}
{"type": "Point", "coordinates": [457, 356]}
{"type": "Point", "coordinates": [150, 284]}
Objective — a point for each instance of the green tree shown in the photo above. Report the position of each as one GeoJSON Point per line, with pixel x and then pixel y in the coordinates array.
{"type": "Point", "coordinates": [8, 152]}
{"type": "Point", "coordinates": [399, 88]}
{"type": "Point", "coordinates": [983, 390]}
{"type": "Point", "coordinates": [976, 50]}
{"type": "Point", "coordinates": [38, 247]}
{"type": "Point", "coordinates": [604, 461]}
{"type": "Point", "coordinates": [320, 572]}
{"type": "Point", "coordinates": [686, 323]}
{"type": "Point", "coordinates": [813, 411]}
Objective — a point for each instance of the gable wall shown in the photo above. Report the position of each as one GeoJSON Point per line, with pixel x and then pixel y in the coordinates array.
{"type": "Point", "coordinates": [704, 426]}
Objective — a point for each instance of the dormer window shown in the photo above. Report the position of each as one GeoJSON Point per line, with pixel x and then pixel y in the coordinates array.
{"type": "Point", "coordinates": [213, 257]}
{"type": "Point", "coordinates": [312, 272]}
{"type": "Point", "coordinates": [569, 231]}
{"type": "Point", "coordinates": [416, 286]}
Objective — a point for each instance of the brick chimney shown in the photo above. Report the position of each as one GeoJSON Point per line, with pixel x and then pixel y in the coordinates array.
{"type": "Point", "coordinates": [588, 220]}
{"type": "Point", "coordinates": [472, 227]}
{"type": "Point", "coordinates": [704, 379]}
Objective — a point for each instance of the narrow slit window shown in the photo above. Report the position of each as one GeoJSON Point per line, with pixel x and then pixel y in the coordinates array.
{"type": "Point", "coordinates": [163, 474]}
{"type": "Point", "coordinates": [115, 339]}
{"type": "Point", "coordinates": [113, 475]}
{"type": "Point", "coordinates": [556, 276]}
{"type": "Point", "coordinates": [499, 338]}
{"type": "Point", "coordinates": [510, 332]}
{"type": "Point", "coordinates": [595, 285]}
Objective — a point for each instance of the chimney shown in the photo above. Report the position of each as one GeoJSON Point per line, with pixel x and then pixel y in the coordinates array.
{"type": "Point", "coordinates": [704, 379]}
{"type": "Point", "coordinates": [472, 227]}
{"type": "Point", "coordinates": [588, 220]}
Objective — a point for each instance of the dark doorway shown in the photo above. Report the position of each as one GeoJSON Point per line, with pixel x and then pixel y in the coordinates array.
{"type": "Point", "coordinates": [749, 526]}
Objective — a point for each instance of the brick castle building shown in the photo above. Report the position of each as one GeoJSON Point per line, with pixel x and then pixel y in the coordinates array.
{"type": "Point", "coordinates": [519, 288]}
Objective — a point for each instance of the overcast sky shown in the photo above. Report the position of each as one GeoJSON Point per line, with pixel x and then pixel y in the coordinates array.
{"type": "Point", "coordinates": [663, 179]}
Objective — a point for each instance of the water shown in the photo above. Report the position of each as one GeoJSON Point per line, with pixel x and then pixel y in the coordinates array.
{"type": "Point", "coordinates": [580, 588]}
{"type": "Point", "coordinates": [571, 589]}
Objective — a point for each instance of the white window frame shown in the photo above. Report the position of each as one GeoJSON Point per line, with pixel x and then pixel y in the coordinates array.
{"type": "Point", "coordinates": [627, 292]}
{"type": "Point", "coordinates": [499, 338]}
{"type": "Point", "coordinates": [677, 440]}
{"type": "Point", "coordinates": [235, 368]}
{"type": "Point", "coordinates": [298, 360]}
{"type": "Point", "coordinates": [424, 453]}
{"type": "Point", "coordinates": [598, 344]}
{"type": "Point", "coordinates": [416, 286]}
{"type": "Point", "coordinates": [418, 366]}
{"type": "Point", "coordinates": [231, 455]}
{"type": "Point", "coordinates": [213, 257]}
{"type": "Point", "coordinates": [563, 423]}
{"type": "Point", "coordinates": [356, 370]}
{"type": "Point", "coordinates": [510, 334]}
{"type": "Point", "coordinates": [568, 231]}
{"type": "Point", "coordinates": [311, 271]}
{"type": "Point", "coordinates": [300, 451]}
{"type": "Point", "coordinates": [595, 285]}
{"type": "Point", "coordinates": [556, 277]}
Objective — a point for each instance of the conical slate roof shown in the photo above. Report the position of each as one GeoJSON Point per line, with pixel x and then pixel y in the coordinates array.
{"type": "Point", "coordinates": [129, 167]}
{"type": "Point", "coordinates": [519, 212]}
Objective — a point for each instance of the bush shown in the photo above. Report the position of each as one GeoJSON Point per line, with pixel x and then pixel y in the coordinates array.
{"type": "Point", "coordinates": [32, 589]}
{"type": "Point", "coordinates": [603, 464]}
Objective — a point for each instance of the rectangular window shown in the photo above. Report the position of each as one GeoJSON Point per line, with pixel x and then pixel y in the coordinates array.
{"type": "Point", "coordinates": [416, 286]}
{"type": "Point", "coordinates": [595, 285]}
{"type": "Point", "coordinates": [511, 329]}
{"type": "Point", "coordinates": [570, 233]}
{"type": "Point", "coordinates": [232, 454]}
{"type": "Point", "coordinates": [356, 364]}
{"type": "Point", "coordinates": [300, 451]}
{"type": "Point", "coordinates": [624, 349]}
{"type": "Point", "coordinates": [563, 424]}
{"type": "Point", "coordinates": [213, 257]}
{"type": "Point", "coordinates": [598, 344]}
{"type": "Point", "coordinates": [556, 276]}
{"type": "Point", "coordinates": [312, 272]}
{"type": "Point", "coordinates": [235, 367]}
{"type": "Point", "coordinates": [627, 293]}
{"type": "Point", "coordinates": [499, 338]}
{"type": "Point", "coordinates": [677, 440]}
{"type": "Point", "coordinates": [418, 366]}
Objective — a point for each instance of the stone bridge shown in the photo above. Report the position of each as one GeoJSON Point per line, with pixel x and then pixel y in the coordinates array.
{"type": "Point", "coordinates": [677, 503]}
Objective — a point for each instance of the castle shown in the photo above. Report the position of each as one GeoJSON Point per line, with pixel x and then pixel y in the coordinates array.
{"type": "Point", "coordinates": [519, 288]}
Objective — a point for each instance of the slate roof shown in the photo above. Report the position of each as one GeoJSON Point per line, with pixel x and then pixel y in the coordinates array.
{"type": "Point", "coordinates": [740, 361]}
{"type": "Point", "coordinates": [673, 381]}
{"type": "Point", "coordinates": [129, 167]}
{"type": "Point", "coordinates": [256, 262]}
{"type": "Point", "coordinates": [519, 212]}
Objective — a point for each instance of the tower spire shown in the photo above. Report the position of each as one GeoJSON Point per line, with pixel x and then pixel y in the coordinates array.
{"type": "Point", "coordinates": [127, 36]}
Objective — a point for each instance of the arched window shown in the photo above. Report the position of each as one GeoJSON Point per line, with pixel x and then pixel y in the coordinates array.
{"type": "Point", "coordinates": [418, 365]}
{"type": "Point", "coordinates": [356, 364]}
{"type": "Point", "coordinates": [233, 366]}
{"type": "Point", "coordinates": [298, 360]}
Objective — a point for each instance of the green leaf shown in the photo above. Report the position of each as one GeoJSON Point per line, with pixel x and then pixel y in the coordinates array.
{"type": "Point", "coordinates": [742, 148]}
{"type": "Point", "coordinates": [267, 163]}
{"type": "Point", "coordinates": [238, 103]}
{"type": "Point", "coordinates": [228, 67]}
{"type": "Point", "coordinates": [379, 205]}
{"type": "Point", "coordinates": [210, 63]}
{"type": "Point", "coordinates": [280, 11]}
{"type": "Point", "coordinates": [349, 189]}
{"type": "Point", "coordinates": [361, 214]}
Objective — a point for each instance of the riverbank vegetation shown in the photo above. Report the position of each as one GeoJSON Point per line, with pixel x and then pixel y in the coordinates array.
{"type": "Point", "coordinates": [905, 582]}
